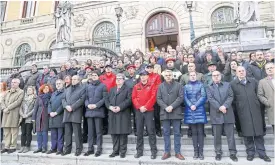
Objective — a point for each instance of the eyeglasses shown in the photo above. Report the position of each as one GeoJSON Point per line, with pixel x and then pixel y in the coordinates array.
{"type": "Point", "coordinates": [215, 75]}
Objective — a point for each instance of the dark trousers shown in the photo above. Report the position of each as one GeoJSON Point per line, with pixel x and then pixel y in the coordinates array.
{"type": "Point", "coordinates": [95, 127]}
{"type": "Point", "coordinates": [254, 141]}
{"type": "Point", "coordinates": [133, 119]}
{"type": "Point", "coordinates": [42, 139]}
{"type": "Point", "coordinates": [273, 128]}
{"type": "Point", "coordinates": [105, 120]}
{"type": "Point", "coordinates": [177, 135]}
{"type": "Point", "coordinates": [146, 118]}
{"type": "Point", "coordinates": [84, 126]}
{"type": "Point", "coordinates": [229, 132]}
{"type": "Point", "coordinates": [263, 116]}
{"type": "Point", "coordinates": [197, 137]}
{"type": "Point", "coordinates": [57, 139]}
{"type": "Point", "coordinates": [237, 120]}
{"type": "Point", "coordinates": [71, 128]}
{"type": "Point", "coordinates": [157, 117]}
{"type": "Point", "coordinates": [1, 127]}
{"type": "Point", "coordinates": [26, 134]}
{"type": "Point", "coordinates": [120, 143]}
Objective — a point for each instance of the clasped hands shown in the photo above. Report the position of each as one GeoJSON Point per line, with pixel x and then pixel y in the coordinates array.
{"type": "Point", "coordinates": [92, 106]}
{"type": "Point", "coordinates": [115, 109]}
{"type": "Point", "coordinates": [223, 109]}
{"type": "Point", "coordinates": [169, 109]}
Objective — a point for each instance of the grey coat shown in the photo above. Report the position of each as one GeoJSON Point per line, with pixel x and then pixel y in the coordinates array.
{"type": "Point", "coordinates": [119, 123]}
{"type": "Point", "coordinates": [170, 96]}
{"type": "Point", "coordinates": [27, 109]}
{"type": "Point", "coordinates": [248, 107]}
{"type": "Point", "coordinates": [31, 80]}
{"type": "Point", "coordinates": [217, 97]}
{"type": "Point", "coordinates": [55, 105]}
{"type": "Point", "coordinates": [74, 96]}
{"type": "Point", "coordinates": [266, 96]}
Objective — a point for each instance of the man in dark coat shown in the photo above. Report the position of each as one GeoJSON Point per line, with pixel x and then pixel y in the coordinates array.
{"type": "Point", "coordinates": [52, 79]}
{"type": "Point", "coordinates": [118, 101]}
{"type": "Point", "coordinates": [72, 102]}
{"type": "Point", "coordinates": [95, 107]}
{"type": "Point", "coordinates": [69, 70]}
{"type": "Point", "coordinates": [44, 77]}
{"type": "Point", "coordinates": [144, 98]}
{"type": "Point", "coordinates": [32, 78]}
{"type": "Point", "coordinates": [169, 98]}
{"type": "Point", "coordinates": [220, 97]}
{"type": "Point", "coordinates": [249, 112]}
{"type": "Point", "coordinates": [55, 111]}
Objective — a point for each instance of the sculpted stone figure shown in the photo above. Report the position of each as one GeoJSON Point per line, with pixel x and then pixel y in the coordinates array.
{"type": "Point", "coordinates": [246, 11]}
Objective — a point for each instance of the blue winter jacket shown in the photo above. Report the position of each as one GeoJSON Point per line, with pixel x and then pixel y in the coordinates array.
{"type": "Point", "coordinates": [194, 94]}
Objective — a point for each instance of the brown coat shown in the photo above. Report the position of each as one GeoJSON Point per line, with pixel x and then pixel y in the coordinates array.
{"type": "Point", "coordinates": [12, 101]}
{"type": "Point", "coordinates": [266, 96]}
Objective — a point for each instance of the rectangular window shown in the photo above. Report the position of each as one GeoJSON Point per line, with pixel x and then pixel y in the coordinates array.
{"type": "Point", "coordinates": [3, 5]}
{"type": "Point", "coordinates": [28, 9]}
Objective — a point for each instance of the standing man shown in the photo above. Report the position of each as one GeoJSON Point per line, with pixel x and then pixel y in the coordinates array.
{"type": "Point", "coordinates": [10, 122]}
{"type": "Point", "coordinates": [266, 92]}
{"type": "Point", "coordinates": [249, 112]}
{"type": "Point", "coordinates": [144, 98]}
{"type": "Point", "coordinates": [69, 70]}
{"type": "Point", "coordinates": [44, 77]}
{"type": "Point", "coordinates": [32, 78]}
{"type": "Point", "coordinates": [108, 79]}
{"type": "Point", "coordinates": [169, 98]}
{"type": "Point", "coordinates": [118, 101]}
{"type": "Point", "coordinates": [72, 102]}
{"type": "Point", "coordinates": [220, 97]}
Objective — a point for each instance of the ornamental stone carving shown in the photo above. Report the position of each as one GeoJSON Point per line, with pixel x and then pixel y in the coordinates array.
{"type": "Point", "coordinates": [131, 12]}
{"type": "Point", "coordinates": [8, 42]}
{"type": "Point", "coordinates": [79, 20]}
{"type": "Point", "coordinates": [40, 37]}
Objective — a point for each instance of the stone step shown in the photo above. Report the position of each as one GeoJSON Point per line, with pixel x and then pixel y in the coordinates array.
{"type": "Point", "coordinates": [187, 150]}
{"type": "Point", "coordinates": [43, 159]}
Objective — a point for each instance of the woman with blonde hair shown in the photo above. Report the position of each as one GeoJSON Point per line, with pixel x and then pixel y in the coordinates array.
{"type": "Point", "coordinates": [25, 112]}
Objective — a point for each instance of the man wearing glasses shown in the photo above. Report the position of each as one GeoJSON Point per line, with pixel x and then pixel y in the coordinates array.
{"type": "Point", "coordinates": [220, 97]}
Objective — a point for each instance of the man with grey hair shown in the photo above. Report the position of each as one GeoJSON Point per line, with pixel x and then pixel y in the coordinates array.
{"type": "Point", "coordinates": [69, 70]}
{"type": "Point", "coordinates": [74, 97]}
{"type": "Point", "coordinates": [249, 112]}
{"type": "Point", "coordinates": [10, 123]}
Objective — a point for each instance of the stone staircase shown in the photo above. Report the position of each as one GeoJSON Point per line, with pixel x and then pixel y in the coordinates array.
{"type": "Point", "coordinates": [186, 149]}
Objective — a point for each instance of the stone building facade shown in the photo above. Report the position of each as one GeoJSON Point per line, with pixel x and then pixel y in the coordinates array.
{"type": "Point", "coordinates": [144, 24]}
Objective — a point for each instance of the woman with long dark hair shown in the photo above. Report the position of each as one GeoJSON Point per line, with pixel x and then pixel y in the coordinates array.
{"type": "Point", "coordinates": [41, 118]}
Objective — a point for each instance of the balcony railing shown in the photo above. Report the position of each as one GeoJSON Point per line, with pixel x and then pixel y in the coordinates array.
{"type": "Point", "coordinates": [216, 38]}
{"type": "Point", "coordinates": [90, 50]}
{"type": "Point", "coordinates": [40, 56]}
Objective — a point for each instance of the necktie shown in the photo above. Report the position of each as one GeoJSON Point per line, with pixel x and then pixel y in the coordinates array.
{"type": "Point", "coordinates": [243, 82]}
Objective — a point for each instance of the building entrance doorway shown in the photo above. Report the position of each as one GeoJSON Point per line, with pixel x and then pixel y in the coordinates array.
{"type": "Point", "coordinates": [161, 31]}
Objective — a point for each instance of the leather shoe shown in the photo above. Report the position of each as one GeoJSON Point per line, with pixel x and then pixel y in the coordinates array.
{"type": "Point", "coordinates": [165, 156]}
{"type": "Point", "coordinates": [234, 158]}
{"type": "Point", "coordinates": [11, 151]}
{"type": "Point", "coordinates": [218, 157]}
{"type": "Point", "coordinates": [113, 155]}
{"type": "Point", "coordinates": [37, 151]}
{"type": "Point", "coordinates": [122, 155]}
{"type": "Point", "coordinates": [98, 153]}
{"type": "Point", "coordinates": [58, 153]}
{"type": "Point", "coordinates": [196, 156]}
{"type": "Point", "coordinates": [4, 150]}
{"type": "Point", "coordinates": [89, 153]}
{"type": "Point", "coordinates": [65, 153]}
{"type": "Point", "coordinates": [44, 150]}
{"type": "Point", "coordinates": [250, 157]}
{"type": "Point", "coordinates": [265, 158]}
{"type": "Point", "coordinates": [77, 153]}
{"type": "Point", "coordinates": [145, 133]}
{"type": "Point", "coordinates": [159, 134]}
{"type": "Point", "coordinates": [51, 151]}
{"type": "Point", "coordinates": [180, 157]}
{"type": "Point", "coordinates": [138, 155]}
{"type": "Point", "coordinates": [201, 157]}
{"type": "Point", "coordinates": [153, 156]}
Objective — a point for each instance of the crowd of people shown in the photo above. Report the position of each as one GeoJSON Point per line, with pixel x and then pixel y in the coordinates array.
{"type": "Point", "coordinates": [167, 87]}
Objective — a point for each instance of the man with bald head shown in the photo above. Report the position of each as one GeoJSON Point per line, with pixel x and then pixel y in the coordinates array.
{"type": "Point", "coordinates": [220, 97]}
{"type": "Point", "coordinates": [74, 97]}
{"type": "Point", "coordinates": [249, 112]}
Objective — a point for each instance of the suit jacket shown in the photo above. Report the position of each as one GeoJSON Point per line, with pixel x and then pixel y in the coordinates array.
{"type": "Point", "coordinates": [266, 96]}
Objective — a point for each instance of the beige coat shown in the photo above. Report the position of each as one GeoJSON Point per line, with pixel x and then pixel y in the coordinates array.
{"type": "Point", "coordinates": [12, 102]}
{"type": "Point", "coordinates": [266, 96]}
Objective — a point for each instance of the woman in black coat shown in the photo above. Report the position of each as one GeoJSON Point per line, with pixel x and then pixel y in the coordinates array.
{"type": "Point", "coordinates": [95, 107]}
{"type": "Point", "coordinates": [41, 118]}
{"type": "Point", "coordinates": [55, 110]}
{"type": "Point", "coordinates": [118, 101]}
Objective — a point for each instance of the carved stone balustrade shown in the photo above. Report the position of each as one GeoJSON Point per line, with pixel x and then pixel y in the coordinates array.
{"type": "Point", "coordinates": [38, 57]}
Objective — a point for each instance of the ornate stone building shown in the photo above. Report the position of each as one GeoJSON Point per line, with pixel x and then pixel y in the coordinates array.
{"type": "Point", "coordinates": [29, 26]}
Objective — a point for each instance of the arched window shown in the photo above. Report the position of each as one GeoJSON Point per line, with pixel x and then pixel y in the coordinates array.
{"type": "Point", "coordinates": [20, 53]}
{"type": "Point", "coordinates": [223, 17]}
{"type": "Point", "coordinates": [104, 35]}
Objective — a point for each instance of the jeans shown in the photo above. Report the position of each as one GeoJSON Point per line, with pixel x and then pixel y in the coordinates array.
{"type": "Point", "coordinates": [42, 139]}
{"type": "Point", "coordinates": [177, 135]}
